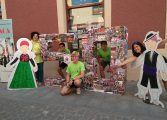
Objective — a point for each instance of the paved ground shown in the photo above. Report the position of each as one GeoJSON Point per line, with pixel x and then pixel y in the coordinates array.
{"type": "Point", "coordinates": [46, 104]}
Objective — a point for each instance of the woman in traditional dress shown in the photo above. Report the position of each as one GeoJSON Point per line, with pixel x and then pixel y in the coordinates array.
{"type": "Point", "coordinates": [24, 66]}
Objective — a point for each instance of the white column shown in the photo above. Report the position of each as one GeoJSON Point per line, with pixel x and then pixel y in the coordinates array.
{"type": "Point", "coordinates": [107, 13]}
{"type": "Point", "coordinates": [3, 9]}
{"type": "Point", "coordinates": [61, 14]}
{"type": "Point", "coordinates": [166, 22]}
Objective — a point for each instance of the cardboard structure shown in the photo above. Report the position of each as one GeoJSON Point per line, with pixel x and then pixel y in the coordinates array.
{"type": "Point", "coordinates": [88, 44]}
{"type": "Point", "coordinates": [50, 46]}
{"type": "Point", "coordinates": [117, 40]}
{"type": "Point", "coordinates": [23, 67]}
{"type": "Point", "coordinates": [152, 66]}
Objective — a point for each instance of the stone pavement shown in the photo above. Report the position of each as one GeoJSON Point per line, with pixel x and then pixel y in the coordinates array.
{"type": "Point", "coordinates": [46, 104]}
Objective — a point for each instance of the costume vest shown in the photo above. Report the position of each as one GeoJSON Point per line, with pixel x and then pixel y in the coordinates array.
{"type": "Point", "coordinates": [150, 70]}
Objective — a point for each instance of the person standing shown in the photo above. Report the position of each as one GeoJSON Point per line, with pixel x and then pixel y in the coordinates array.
{"type": "Point", "coordinates": [36, 48]}
{"type": "Point", "coordinates": [137, 49]}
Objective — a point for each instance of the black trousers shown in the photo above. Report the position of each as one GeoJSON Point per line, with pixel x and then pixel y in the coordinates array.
{"type": "Point", "coordinates": [39, 74]}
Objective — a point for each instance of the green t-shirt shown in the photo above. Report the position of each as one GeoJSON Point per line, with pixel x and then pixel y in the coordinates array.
{"type": "Point", "coordinates": [105, 55]}
{"type": "Point", "coordinates": [75, 69]}
{"type": "Point", "coordinates": [66, 50]}
{"type": "Point", "coordinates": [36, 47]}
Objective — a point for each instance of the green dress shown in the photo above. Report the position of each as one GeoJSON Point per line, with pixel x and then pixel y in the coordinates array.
{"type": "Point", "coordinates": [23, 76]}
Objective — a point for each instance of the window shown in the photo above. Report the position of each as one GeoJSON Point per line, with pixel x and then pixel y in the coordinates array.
{"type": "Point", "coordinates": [84, 14]}
{"type": "Point", "coordinates": [81, 2]}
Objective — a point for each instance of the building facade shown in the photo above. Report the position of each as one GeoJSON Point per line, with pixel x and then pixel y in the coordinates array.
{"type": "Point", "coordinates": [50, 16]}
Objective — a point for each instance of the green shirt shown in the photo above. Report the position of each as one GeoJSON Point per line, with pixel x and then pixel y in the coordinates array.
{"type": "Point", "coordinates": [36, 47]}
{"type": "Point", "coordinates": [65, 50]}
{"type": "Point", "coordinates": [75, 69]}
{"type": "Point", "coordinates": [105, 55]}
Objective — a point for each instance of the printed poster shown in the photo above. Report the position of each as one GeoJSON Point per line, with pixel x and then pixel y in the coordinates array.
{"type": "Point", "coordinates": [7, 47]}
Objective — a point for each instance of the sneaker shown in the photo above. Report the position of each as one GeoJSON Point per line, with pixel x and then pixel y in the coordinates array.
{"type": "Point", "coordinates": [78, 91]}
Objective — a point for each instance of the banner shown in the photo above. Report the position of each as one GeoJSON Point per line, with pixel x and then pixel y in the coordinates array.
{"type": "Point", "coordinates": [7, 48]}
